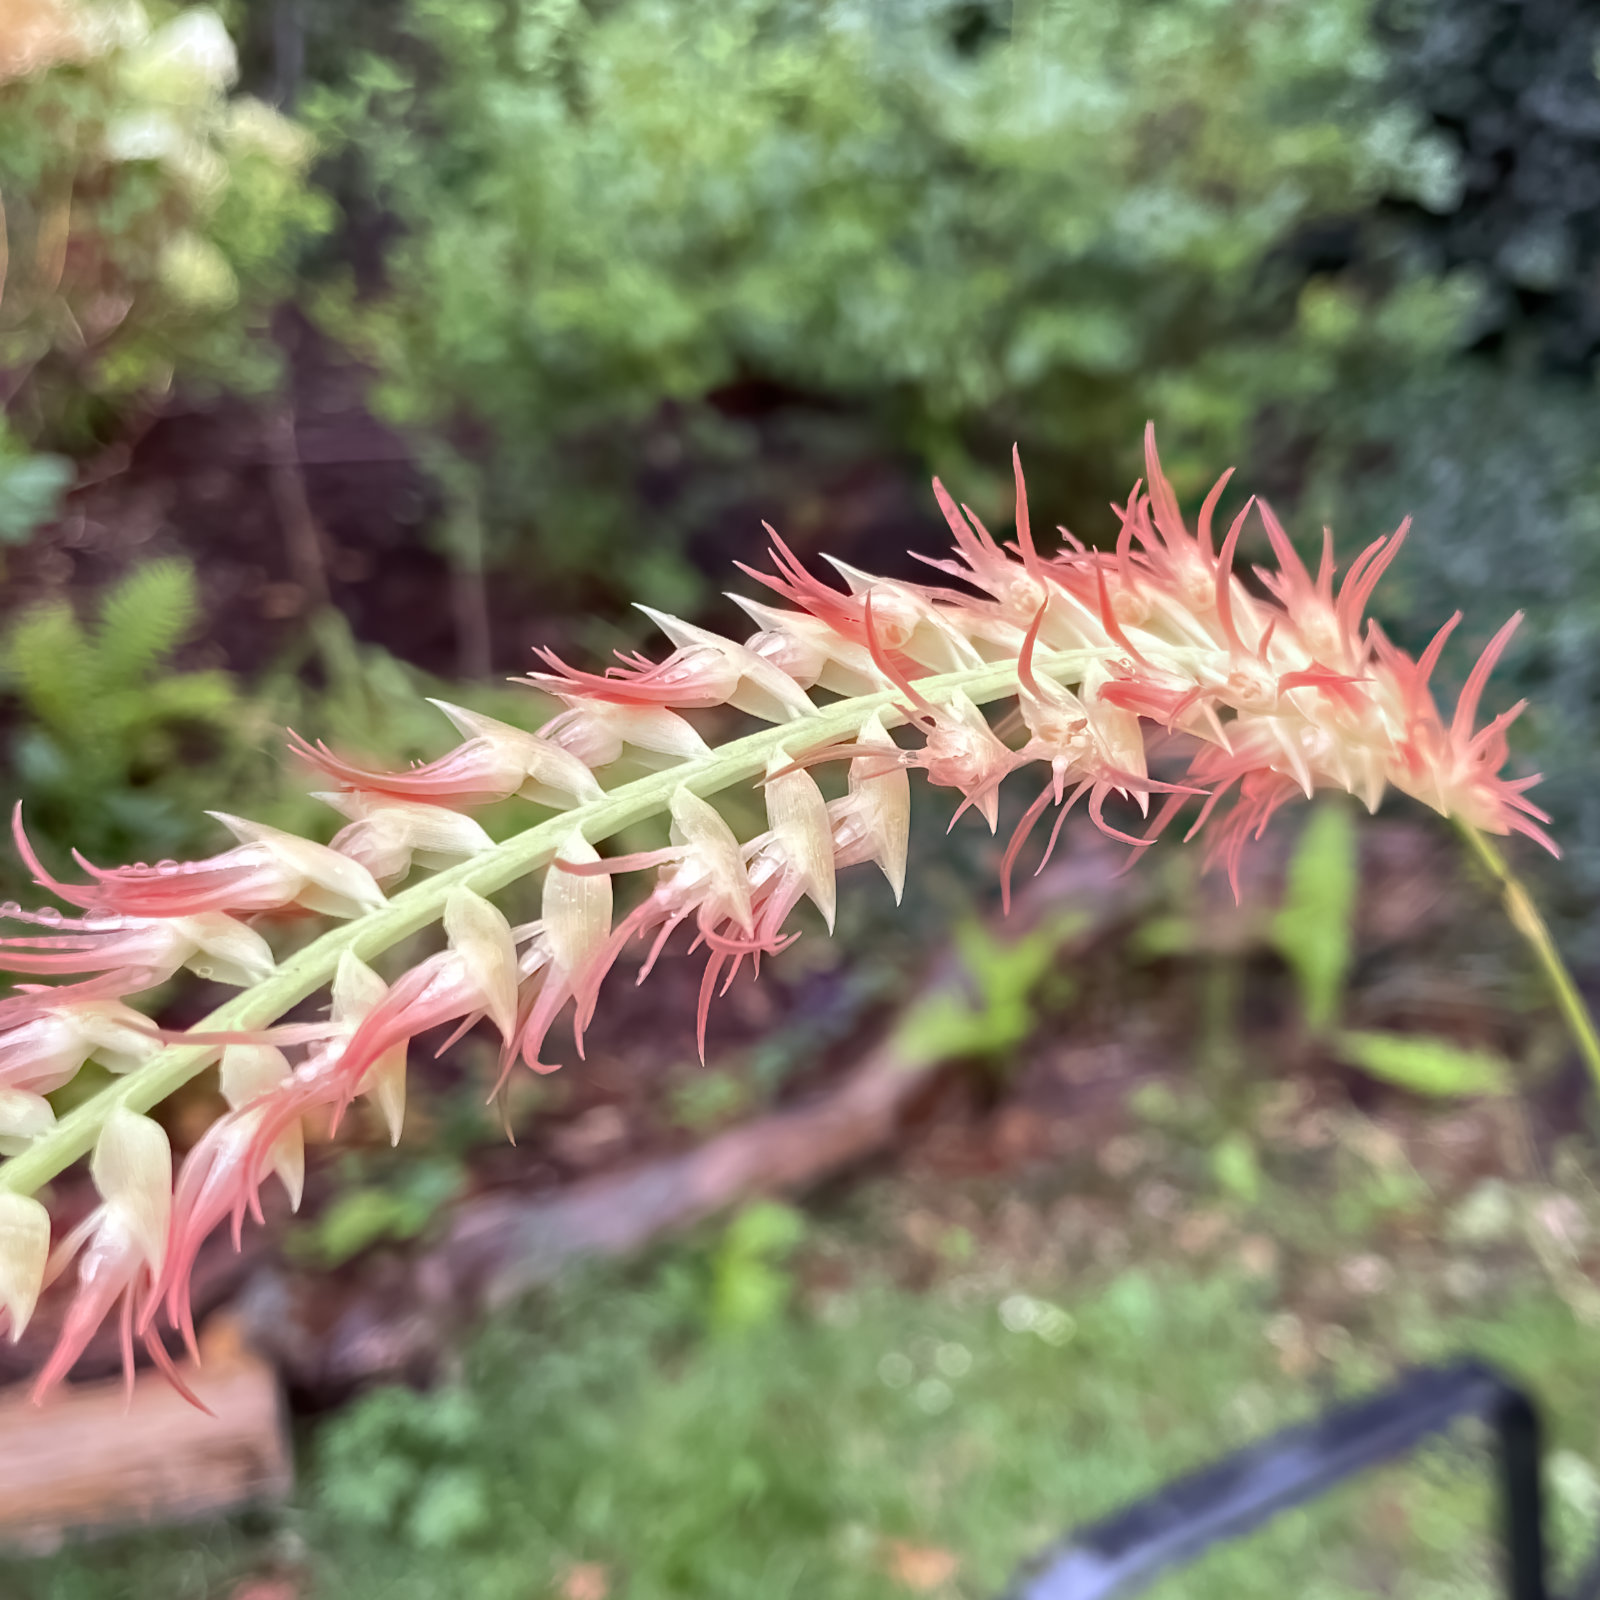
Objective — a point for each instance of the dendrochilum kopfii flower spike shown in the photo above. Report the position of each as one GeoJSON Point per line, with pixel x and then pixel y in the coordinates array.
{"type": "Point", "coordinates": [1147, 678]}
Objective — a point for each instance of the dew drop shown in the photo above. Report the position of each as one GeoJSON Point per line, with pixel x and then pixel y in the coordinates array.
{"type": "Point", "coordinates": [49, 914]}
{"type": "Point", "coordinates": [10, 909]}
{"type": "Point", "coordinates": [166, 869]}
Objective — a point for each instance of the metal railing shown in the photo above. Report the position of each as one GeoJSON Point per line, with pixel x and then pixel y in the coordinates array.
{"type": "Point", "coordinates": [1124, 1552]}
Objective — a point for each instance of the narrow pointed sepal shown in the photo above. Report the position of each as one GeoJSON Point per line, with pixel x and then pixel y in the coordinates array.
{"type": "Point", "coordinates": [481, 937]}
{"type": "Point", "coordinates": [798, 817]}
{"type": "Point", "coordinates": [882, 790]}
{"type": "Point", "coordinates": [248, 1072]}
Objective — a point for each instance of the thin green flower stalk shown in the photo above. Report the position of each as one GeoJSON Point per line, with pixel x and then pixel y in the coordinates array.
{"type": "Point", "coordinates": [1525, 917]}
{"type": "Point", "coordinates": [1105, 667]}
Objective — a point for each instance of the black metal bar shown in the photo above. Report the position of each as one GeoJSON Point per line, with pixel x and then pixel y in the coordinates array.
{"type": "Point", "coordinates": [1125, 1551]}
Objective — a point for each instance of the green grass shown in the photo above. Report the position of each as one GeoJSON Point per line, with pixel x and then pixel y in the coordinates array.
{"type": "Point", "coordinates": [609, 1423]}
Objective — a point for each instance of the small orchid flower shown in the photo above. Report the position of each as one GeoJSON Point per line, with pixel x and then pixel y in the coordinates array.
{"type": "Point", "coordinates": [119, 1246]}
{"type": "Point", "coordinates": [219, 1176]}
{"type": "Point", "coordinates": [475, 976]}
{"type": "Point", "coordinates": [387, 835]}
{"type": "Point", "coordinates": [596, 730]}
{"type": "Point", "coordinates": [266, 871]}
{"type": "Point", "coordinates": [211, 944]}
{"type": "Point", "coordinates": [496, 762]}
{"type": "Point", "coordinates": [46, 1035]}
{"type": "Point", "coordinates": [563, 950]}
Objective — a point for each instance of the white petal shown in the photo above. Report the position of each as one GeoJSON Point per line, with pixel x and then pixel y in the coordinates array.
{"type": "Point", "coordinates": [227, 950]}
{"type": "Point", "coordinates": [24, 1249]}
{"type": "Point", "coordinates": [481, 936]}
{"type": "Point", "coordinates": [356, 988]}
{"type": "Point", "coordinates": [385, 1083]}
{"type": "Point", "coordinates": [132, 1168]}
{"type": "Point", "coordinates": [23, 1117]}
{"type": "Point", "coordinates": [884, 792]}
{"type": "Point", "coordinates": [576, 909]}
{"type": "Point", "coordinates": [798, 816]}
{"type": "Point", "coordinates": [699, 825]}
{"type": "Point", "coordinates": [249, 1071]}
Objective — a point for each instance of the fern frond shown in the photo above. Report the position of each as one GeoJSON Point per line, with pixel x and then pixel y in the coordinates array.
{"type": "Point", "coordinates": [143, 620]}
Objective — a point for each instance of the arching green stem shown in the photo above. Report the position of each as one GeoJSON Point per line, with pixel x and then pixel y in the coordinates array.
{"type": "Point", "coordinates": [1526, 920]}
{"type": "Point", "coordinates": [412, 909]}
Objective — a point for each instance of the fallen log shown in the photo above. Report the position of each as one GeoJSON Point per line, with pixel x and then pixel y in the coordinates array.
{"type": "Point", "coordinates": [99, 1458]}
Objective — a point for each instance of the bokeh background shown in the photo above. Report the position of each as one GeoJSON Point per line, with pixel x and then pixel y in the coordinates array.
{"type": "Point", "coordinates": [351, 348]}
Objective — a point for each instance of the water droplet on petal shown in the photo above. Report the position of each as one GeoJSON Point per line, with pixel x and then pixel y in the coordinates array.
{"type": "Point", "coordinates": [166, 868]}
{"type": "Point", "coordinates": [49, 914]}
{"type": "Point", "coordinates": [10, 909]}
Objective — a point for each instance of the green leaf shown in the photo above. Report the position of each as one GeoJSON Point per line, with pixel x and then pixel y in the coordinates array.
{"type": "Point", "coordinates": [1425, 1065]}
{"type": "Point", "coordinates": [1314, 929]}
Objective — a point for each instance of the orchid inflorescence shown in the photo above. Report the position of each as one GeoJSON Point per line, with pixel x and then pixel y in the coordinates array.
{"type": "Point", "coordinates": [1103, 661]}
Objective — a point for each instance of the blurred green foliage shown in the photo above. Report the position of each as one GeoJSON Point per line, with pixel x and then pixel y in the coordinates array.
{"type": "Point", "coordinates": [32, 483]}
{"type": "Point", "coordinates": [115, 749]}
{"type": "Point", "coordinates": [364, 1214]}
{"type": "Point", "coordinates": [151, 221]}
{"type": "Point", "coordinates": [607, 1431]}
{"type": "Point", "coordinates": [1424, 1065]}
{"type": "Point", "coordinates": [1499, 470]}
{"type": "Point", "coordinates": [1314, 928]}
{"type": "Point", "coordinates": [998, 1010]}
{"type": "Point", "coordinates": [963, 224]}
{"type": "Point", "coordinates": [1514, 89]}
{"type": "Point", "coordinates": [105, 749]}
